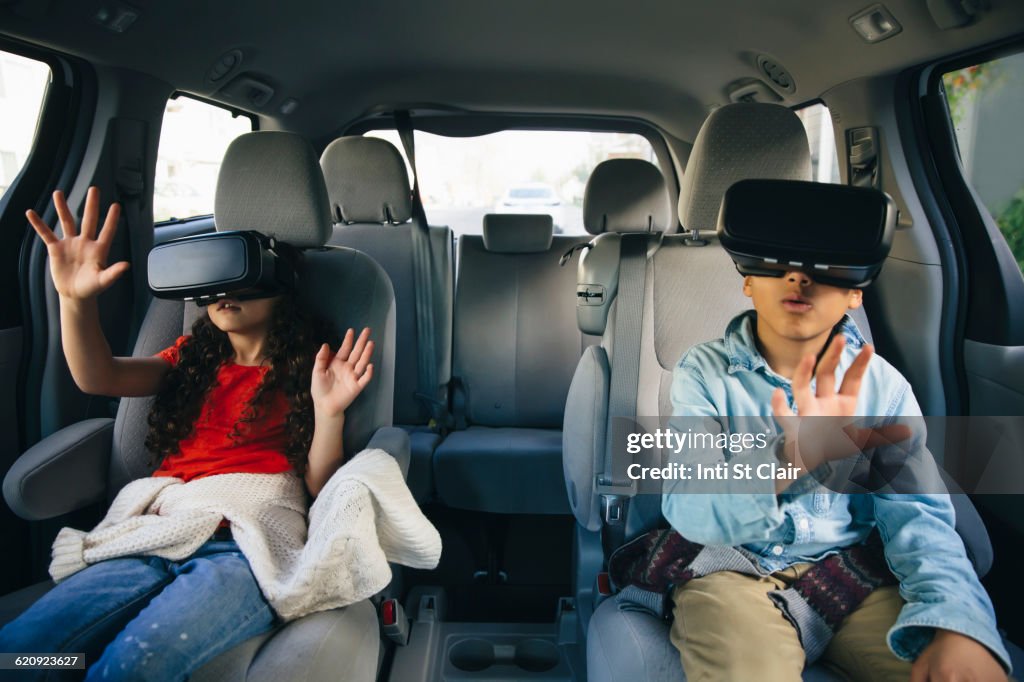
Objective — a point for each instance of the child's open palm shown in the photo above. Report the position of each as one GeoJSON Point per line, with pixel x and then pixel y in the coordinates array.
{"type": "Point", "coordinates": [338, 380]}
{"type": "Point", "coordinates": [825, 428]}
{"type": "Point", "coordinates": [78, 262]}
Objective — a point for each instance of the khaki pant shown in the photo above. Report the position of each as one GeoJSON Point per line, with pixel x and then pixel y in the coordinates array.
{"type": "Point", "coordinates": [726, 628]}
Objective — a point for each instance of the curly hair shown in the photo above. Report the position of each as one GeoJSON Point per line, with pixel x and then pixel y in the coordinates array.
{"type": "Point", "coordinates": [293, 339]}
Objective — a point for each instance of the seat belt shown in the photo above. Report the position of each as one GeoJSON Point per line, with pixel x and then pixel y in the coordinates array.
{"type": "Point", "coordinates": [423, 274]}
{"type": "Point", "coordinates": [614, 487]}
{"type": "Point", "coordinates": [130, 178]}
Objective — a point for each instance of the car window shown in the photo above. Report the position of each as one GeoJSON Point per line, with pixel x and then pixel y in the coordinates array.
{"type": "Point", "coordinates": [986, 105]}
{"type": "Point", "coordinates": [193, 140]}
{"type": "Point", "coordinates": [530, 193]}
{"type": "Point", "coordinates": [513, 171]}
{"type": "Point", "coordinates": [22, 88]}
{"type": "Point", "coordinates": [824, 158]}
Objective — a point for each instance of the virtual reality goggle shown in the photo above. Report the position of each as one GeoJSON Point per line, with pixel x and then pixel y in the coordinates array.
{"type": "Point", "coordinates": [839, 235]}
{"type": "Point", "coordinates": [208, 267]}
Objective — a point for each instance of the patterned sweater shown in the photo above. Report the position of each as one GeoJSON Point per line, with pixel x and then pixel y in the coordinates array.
{"type": "Point", "coordinates": [648, 567]}
{"type": "Point", "coordinates": [363, 518]}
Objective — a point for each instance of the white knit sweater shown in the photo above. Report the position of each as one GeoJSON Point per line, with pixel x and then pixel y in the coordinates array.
{"type": "Point", "coordinates": [363, 518]}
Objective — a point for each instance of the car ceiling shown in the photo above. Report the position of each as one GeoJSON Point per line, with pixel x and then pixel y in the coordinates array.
{"type": "Point", "coordinates": [666, 62]}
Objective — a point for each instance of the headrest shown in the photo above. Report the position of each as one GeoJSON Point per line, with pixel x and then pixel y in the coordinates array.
{"type": "Point", "coordinates": [366, 181]}
{"type": "Point", "coordinates": [740, 141]}
{"type": "Point", "coordinates": [517, 233]}
{"type": "Point", "coordinates": [839, 235]}
{"type": "Point", "coordinates": [271, 182]}
{"type": "Point", "coordinates": [626, 195]}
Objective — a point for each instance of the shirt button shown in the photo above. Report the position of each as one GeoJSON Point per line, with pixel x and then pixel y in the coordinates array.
{"type": "Point", "coordinates": [777, 550]}
{"type": "Point", "coordinates": [804, 524]}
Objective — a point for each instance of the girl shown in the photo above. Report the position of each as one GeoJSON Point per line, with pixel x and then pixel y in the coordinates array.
{"type": "Point", "coordinates": [245, 393]}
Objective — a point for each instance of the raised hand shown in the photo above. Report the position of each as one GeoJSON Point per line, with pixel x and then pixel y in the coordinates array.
{"type": "Point", "coordinates": [78, 262]}
{"type": "Point", "coordinates": [338, 380]}
{"type": "Point", "coordinates": [824, 429]}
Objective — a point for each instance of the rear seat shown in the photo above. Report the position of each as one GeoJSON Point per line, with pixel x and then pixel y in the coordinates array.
{"type": "Point", "coordinates": [371, 205]}
{"type": "Point", "coordinates": [691, 291]}
{"type": "Point", "coordinates": [516, 345]}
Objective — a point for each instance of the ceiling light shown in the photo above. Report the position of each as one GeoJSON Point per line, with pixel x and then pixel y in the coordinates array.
{"type": "Point", "coordinates": [875, 24]}
{"type": "Point", "coordinates": [116, 17]}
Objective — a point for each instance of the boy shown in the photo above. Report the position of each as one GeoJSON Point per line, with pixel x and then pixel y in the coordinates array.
{"type": "Point", "coordinates": [726, 627]}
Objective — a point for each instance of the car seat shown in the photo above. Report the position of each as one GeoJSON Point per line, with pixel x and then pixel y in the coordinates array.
{"type": "Point", "coordinates": [270, 182]}
{"type": "Point", "coordinates": [690, 291]}
{"type": "Point", "coordinates": [372, 211]}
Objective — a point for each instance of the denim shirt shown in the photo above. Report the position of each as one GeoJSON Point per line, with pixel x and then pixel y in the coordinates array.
{"type": "Point", "coordinates": [729, 377]}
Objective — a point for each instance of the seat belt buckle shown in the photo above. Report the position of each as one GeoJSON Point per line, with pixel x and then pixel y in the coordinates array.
{"type": "Point", "coordinates": [613, 509]}
{"type": "Point", "coordinates": [393, 623]}
{"type": "Point", "coordinates": [614, 499]}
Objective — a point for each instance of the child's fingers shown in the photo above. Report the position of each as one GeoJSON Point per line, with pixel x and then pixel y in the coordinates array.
{"type": "Point", "coordinates": [41, 228]}
{"type": "Point", "coordinates": [360, 346]}
{"type": "Point", "coordinates": [346, 346]}
{"type": "Point", "coordinates": [109, 225]}
{"type": "Point", "coordinates": [109, 275]}
{"type": "Point", "coordinates": [365, 379]}
{"type": "Point", "coordinates": [322, 358]}
{"type": "Point", "coordinates": [91, 214]}
{"type": "Point", "coordinates": [67, 221]}
{"type": "Point", "coordinates": [825, 377]}
{"type": "Point", "coordinates": [802, 380]}
{"type": "Point", "coordinates": [780, 408]}
{"type": "Point", "coordinates": [852, 379]}
{"type": "Point", "coordinates": [364, 359]}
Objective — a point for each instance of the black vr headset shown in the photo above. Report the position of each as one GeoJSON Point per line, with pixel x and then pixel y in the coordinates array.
{"type": "Point", "coordinates": [208, 267]}
{"type": "Point", "coordinates": [839, 235]}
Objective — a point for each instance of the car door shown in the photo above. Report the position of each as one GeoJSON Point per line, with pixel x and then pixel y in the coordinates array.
{"type": "Point", "coordinates": [971, 109]}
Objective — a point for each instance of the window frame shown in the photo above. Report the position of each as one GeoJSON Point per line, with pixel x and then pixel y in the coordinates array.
{"type": "Point", "coordinates": [474, 124]}
{"type": "Point", "coordinates": [235, 112]}
{"type": "Point", "coordinates": [61, 133]}
{"type": "Point", "coordinates": [840, 151]}
{"type": "Point", "coordinates": [992, 282]}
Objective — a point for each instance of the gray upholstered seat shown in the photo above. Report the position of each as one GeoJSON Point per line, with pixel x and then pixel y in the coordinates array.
{"type": "Point", "coordinates": [515, 342]}
{"type": "Point", "coordinates": [691, 291]}
{"type": "Point", "coordinates": [271, 182]}
{"type": "Point", "coordinates": [371, 207]}
{"type": "Point", "coordinates": [503, 469]}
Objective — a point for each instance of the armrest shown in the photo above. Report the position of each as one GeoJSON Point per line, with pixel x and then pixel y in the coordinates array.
{"type": "Point", "coordinates": [395, 442]}
{"type": "Point", "coordinates": [63, 472]}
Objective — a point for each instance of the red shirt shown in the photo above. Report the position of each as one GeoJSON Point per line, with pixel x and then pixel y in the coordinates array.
{"type": "Point", "coordinates": [258, 447]}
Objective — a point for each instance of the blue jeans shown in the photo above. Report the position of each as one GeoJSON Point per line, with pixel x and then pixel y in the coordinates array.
{"type": "Point", "coordinates": [146, 618]}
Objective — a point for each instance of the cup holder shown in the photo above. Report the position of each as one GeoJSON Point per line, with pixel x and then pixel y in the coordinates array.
{"type": "Point", "coordinates": [532, 655]}
{"type": "Point", "coordinates": [536, 655]}
{"type": "Point", "coordinates": [472, 655]}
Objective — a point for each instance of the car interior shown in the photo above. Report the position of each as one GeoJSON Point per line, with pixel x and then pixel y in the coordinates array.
{"type": "Point", "coordinates": [522, 203]}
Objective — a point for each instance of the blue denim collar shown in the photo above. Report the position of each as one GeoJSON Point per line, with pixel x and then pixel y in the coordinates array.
{"type": "Point", "coordinates": [742, 349]}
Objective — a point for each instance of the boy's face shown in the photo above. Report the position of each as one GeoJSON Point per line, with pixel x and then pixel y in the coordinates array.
{"type": "Point", "coordinates": [795, 307]}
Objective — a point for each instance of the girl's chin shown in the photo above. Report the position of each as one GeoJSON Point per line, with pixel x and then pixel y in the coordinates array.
{"type": "Point", "coordinates": [231, 326]}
